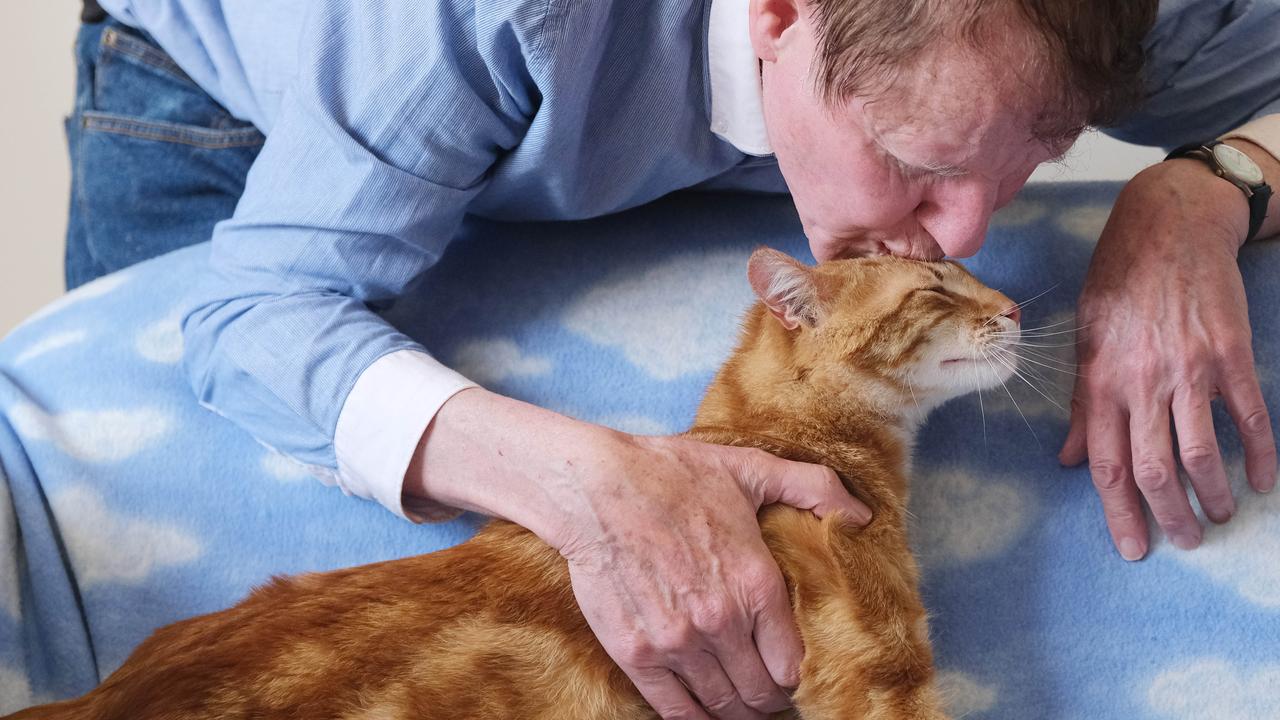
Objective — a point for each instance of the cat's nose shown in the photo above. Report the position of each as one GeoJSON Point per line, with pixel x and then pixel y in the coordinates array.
{"type": "Point", "coordinates": [1014, 313]}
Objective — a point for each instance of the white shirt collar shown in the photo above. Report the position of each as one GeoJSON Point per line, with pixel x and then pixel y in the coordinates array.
{"type": "Point", "coordinates": [737, 108]}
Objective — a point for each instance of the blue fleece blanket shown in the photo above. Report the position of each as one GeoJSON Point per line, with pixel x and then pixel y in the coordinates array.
{"type": "Point", "coordinates": [124, 505]}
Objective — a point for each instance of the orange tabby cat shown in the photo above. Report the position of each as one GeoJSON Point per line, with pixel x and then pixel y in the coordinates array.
{"type": "Point", "coordinates": [837, 365]}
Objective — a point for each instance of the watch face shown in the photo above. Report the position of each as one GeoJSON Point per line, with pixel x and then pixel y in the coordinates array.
{"type": "Point", "coordinates": [1238, 164]}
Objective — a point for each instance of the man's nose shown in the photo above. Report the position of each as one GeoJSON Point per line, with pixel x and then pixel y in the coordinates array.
{"type": "Point", "coordinates": [958, 215]}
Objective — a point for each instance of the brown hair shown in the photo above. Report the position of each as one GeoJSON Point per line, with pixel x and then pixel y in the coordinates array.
{"type": "Point", "coordinates": [1090, 52]}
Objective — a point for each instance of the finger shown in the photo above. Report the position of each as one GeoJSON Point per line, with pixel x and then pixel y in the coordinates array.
{"type": "Point", "coordinates": [1157, 476]}
{"type": "Point", "coordinates": [1075, 449]}
{"type": "Point", "coordinates": [666, 695]}
{"type": "Point", "coordinates": [760, 682]}
{"type": "Point", "coordinates": [1198, 451]}
{"type": "Point", "coordinates": [804, 486]}
{"type": "Point", "coordinates": [778, 639]}
{"type": "Point", "coordinates": [708, 682]}
{"type": "Point", "coordinates": [753, 682]}
{"type": "Point", "coordinates": [1249, 411]}
{"type": "Point", "coordinates": [1109, 466]}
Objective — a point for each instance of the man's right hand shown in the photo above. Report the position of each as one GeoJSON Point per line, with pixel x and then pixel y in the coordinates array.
{"type": "Point", "coordinates": [664, 548]}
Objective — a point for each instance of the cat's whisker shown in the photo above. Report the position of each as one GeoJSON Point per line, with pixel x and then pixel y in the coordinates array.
{"type": "Point", "coordinates": [1032, 385]}
{"type": "Point", "coordinates": [1037, 296]}
{"type": "Point", "coordinates": [981, 409]}
{"type": "Point", "coordinates": [1032, 335]}
{"type": "Point", "coordinates": [1025, 303]}
{"type": "Point", "coordinates": [1050, 325]}
{"type": "Point", "coordinates": [1017, 407]}
{"type": "Point", "coordinates": [1050, 363]}
{"type": "Point", "coordinates": [1050, 345]}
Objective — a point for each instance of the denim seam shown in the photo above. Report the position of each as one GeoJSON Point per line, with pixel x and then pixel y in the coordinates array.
{"type": "Point", "coordinates": [139, 50]}
{"type": "Point", "coordinates": [172, 132]}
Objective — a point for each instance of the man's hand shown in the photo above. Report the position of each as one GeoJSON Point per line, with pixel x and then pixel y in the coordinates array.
{"type": "Point", "coordinates": [664, 548]}
{"type": "Point", "coordinates": [676, 582]}
{"type": "Point", "coordinates": [1163, 330]}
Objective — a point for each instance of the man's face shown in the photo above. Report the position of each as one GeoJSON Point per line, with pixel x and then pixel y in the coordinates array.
{"type": "Point", "coordinates": [916, 171]}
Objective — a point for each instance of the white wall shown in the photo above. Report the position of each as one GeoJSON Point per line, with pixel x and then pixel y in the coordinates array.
{"type": "Point", "coordinates": [37, 77]}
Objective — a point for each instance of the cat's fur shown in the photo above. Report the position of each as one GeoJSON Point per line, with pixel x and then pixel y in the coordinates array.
{"type": "Point", "coordinates": [837, 365]}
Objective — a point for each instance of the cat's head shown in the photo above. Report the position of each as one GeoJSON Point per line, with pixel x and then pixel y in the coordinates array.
{"type": "Point", "coordinates": [905, 331]}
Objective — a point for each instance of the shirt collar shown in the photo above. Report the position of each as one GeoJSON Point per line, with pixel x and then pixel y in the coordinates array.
{"type": "Point", "coordinates": [737, 107]}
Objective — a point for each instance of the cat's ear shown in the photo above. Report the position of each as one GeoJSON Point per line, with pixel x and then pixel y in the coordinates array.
{"type": "Point", "coordinates": [786, 287]}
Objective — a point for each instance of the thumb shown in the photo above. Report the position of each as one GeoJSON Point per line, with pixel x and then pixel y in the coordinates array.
{"type": "Point", "coordinates": [807, 487]}
{"type": "Point", "coordinates": [1075, 449]}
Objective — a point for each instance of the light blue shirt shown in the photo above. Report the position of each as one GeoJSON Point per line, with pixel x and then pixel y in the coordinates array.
{"type": "Point", "coordinates": [388, 120]}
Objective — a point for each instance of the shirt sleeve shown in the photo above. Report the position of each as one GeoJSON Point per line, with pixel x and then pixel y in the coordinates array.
{"type": "Point", "coordinates": [1211, 68]}
{"type": "Point", "coordinates": [399, 111]}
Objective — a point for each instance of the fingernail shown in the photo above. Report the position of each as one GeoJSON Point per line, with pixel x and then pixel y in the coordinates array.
{"type": "Point", "coordinates": [1183, 541]}
{"type": "Point", "coordinates": [1267, 485]}
{"type": "Point", "coordinates": [1130, 549]}
{"type": "Point", "coordinates": [1218, 518]}
{"type": "Point", "coordinates": [862, 515]}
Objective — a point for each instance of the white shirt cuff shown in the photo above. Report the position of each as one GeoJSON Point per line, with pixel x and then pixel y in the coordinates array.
{"type": "Point", "coordinates": [1263, 132]}
{"type": "Point", "coordinates": [381, 423]}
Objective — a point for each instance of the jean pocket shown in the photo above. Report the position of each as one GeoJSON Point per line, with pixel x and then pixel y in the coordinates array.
{"type": "Point", "coordinates": [169, 132]}
{"type": "Point", "coordinates": [139, 90]}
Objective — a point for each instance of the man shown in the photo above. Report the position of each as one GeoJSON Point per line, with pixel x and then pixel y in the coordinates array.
{"type": "Point", "coordinates": [897, 126]}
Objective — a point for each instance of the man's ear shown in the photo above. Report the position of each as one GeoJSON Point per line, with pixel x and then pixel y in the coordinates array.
{"type": "Point", "coordinates": [769, 19]}
{"type": "Point", "coordinates": [786, 287]}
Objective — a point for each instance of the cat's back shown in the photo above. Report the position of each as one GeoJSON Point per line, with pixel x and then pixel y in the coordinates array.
{"type": "Point", "coordinates": [396, 637]}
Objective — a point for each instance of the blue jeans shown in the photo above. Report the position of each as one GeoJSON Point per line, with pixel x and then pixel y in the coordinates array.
{"type": "Point", "coordinates": [155, 161]}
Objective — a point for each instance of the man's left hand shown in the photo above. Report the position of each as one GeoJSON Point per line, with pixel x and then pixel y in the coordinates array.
{"type": "Point", "coordinates": [1163, 329]}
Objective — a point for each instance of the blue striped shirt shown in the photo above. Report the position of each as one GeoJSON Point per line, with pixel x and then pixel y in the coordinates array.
{"type": "Point", "coordinates": [388, 120]}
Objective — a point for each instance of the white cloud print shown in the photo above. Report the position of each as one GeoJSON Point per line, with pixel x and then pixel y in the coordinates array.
{"type": "Point", "coordinates": [105, 546]}
{"type": "Point", "coordinates": [1214, 689]}
{"type": "Point", "coordinates": [49, 344]}
{"type": "Point", "coordinates": [88, 291]}
{"type": "Point", "coordinates": [15, 692]}
{"type": "Point", "coordinates": [676, 318]}
{"type": "Point", "coordinates": [961, 517]}
{"type": "Point", "coordinates": [963, 695]}
{"type": "Point", "coordinates": [1085, 222]}
{"type": "Point", "coordinates": [92, 435]}
{"type": "Point", "coordinates": [161, 341]}
{"type": "Point", "coordinates": [1243, 554]}
{"type": "Point", "coordinates": [496, 359]}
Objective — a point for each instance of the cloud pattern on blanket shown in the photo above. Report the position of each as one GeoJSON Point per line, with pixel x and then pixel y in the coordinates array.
{"type": "Point", "coordinates": [93, 435]}
{"type": "Point", "coordinates": [162, 508]}
{"type": "Point", "coordinates": [105, 546]}
{"type": "Point", "coordinates": [669, 320]}
{"type": "Point", "coordinates": [1217, 689]}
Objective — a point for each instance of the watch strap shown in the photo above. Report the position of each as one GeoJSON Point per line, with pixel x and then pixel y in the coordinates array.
{"type": "Point", "coordinates": [1259, 196]}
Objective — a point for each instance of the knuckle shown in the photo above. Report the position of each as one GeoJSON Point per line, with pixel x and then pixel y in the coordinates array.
{"type": "Point", "coordinates": [1108, 476]}
{"type": "Point", "coordinates": [636, 651]}
{"type": "Point", "coordinates": [1256, 423]}
{"type": "Point", "coordinates": [1233, 350]}
{"type": "Point", "coordinates": [712, 618]}
{"type": "Point", "coordinates": [1153, 476]}
{"type": "Point", "coordinates": [1198, 459]}
{"type": "Point", "coordinates": [759, 699]}
{"type": "Point", "coordinates": [762, 581]}
{"type": "Point", "coordinates": [684, 711]}
{"type": "Point", "coordinates": [721, 701]}
{"type": "Point", "coordinates": [1122, 517]}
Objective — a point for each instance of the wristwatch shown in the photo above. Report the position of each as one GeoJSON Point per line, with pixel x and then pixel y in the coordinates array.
{"type": "Point", "coordinates": [1237, 168]}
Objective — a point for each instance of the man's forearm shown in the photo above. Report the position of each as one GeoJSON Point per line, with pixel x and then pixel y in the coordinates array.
{"type": "Point", "coordinates": [505, 458]}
